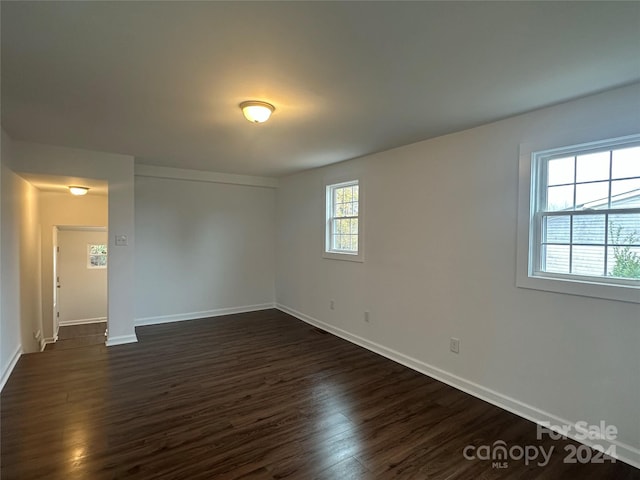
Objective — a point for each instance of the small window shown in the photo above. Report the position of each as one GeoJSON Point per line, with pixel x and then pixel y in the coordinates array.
{"type": "Point", "coordinates": [343, 227]}
{"type": "Point", "coordinates": [96, 256]}
{"type": "Point", "coordinates": [584, 221]}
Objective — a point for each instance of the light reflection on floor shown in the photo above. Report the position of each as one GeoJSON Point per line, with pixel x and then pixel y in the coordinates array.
{"type": "Point", "coordinates": [338, 438]}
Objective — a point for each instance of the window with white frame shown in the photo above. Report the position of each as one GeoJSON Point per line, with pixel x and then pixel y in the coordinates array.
{"type": "Point", "coordinates": [96, 255]}
{"type": "Point", "coordinates": [343, 236]}
{"type": "Point", "coordinates": [585, 213]}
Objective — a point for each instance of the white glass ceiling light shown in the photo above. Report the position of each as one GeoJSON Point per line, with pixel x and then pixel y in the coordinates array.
{"type": "Point", "coordinates": [257, 112]}
{"type": "Point", "coordinates": [75, 190]}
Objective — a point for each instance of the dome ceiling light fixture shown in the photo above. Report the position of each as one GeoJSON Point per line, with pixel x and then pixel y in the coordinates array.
{"type": "Point", "coordinates": [256, 111]}
{"type": "Point", "coordinates": [78, 191]}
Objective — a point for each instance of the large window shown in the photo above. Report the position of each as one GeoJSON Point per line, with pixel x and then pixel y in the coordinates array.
{"type": "Point", "coordinates": [343, 227]}
{"type": "Point", "coordinates": [584, 221]}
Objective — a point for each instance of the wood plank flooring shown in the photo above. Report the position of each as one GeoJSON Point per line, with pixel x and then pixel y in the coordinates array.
{"type": "Point", "coordinates": [252, 396]}
{"type": "Point", "coordinates": [72, 336]}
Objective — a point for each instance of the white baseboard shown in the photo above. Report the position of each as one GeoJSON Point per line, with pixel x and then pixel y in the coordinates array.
{"type": "Point", "coordinates": [40, 339]}
{"type": "Point", "coordinates": [9, 368]}
{"type": "Point", "coordinates": [205, 314]}
{"type": "Point", "coordinates": [121, 340]}
{"type": "Point", "coordinates": [624, 452]}
{"type": "Point", "coordinates": [81, 321]}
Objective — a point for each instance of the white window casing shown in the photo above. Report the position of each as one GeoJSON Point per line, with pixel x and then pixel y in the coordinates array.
{"type": "Point", "coordinates": [579, 219]}
{"type": "Point", "coordinates": [343, 221]}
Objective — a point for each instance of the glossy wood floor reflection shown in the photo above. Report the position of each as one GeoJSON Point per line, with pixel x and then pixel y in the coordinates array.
{"type": "Point", "coordinates": [252, 396]}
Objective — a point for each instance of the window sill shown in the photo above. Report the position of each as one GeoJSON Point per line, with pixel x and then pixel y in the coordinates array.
{"type": "Point", "coordinates": [583, 288]}
{"type": "Point", "coordinates": [349, 257]}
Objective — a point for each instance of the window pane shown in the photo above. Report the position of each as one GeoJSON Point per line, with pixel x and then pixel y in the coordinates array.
{"type": "Point", "coordinates": [354, 226]}
{"type": "Point", "coordinates": [560, 198]}
{"type": "Point", "coordinates": [356, 192]}
{"type": "Point", "coordinates": [561, 170]}
{"type": "Point", "coordinates": [625, 193]}
{"type": "Point", "coordinates": [98, 260]}
{"type": "Point", "coordinates": [346, 242]}
{"type": "Point", "coordinates": [624, 229]}
{"type": "Point", "coordinates": [348, 209]}
{"type": "Point", "coordinates": [341, 226]}
{"type": "Point", "coordinates": [555, 258]}
{"type": "Point", "coordinates": [557, 229]}
{"type": "Point", "coordinates": [100, 249]}
{"type": "Point", "coordinates": [354, 243]}
{"type": "Point", "coordinates": [592, 195]}
{"type": "Point", "coordinates": [588, 229]}
{"type": "Point", "coordinates": [588, 261]}
{"type": "Point", "coordinates": [626, 163]}
{"type": "Point", "coordinates": [594, 166]}
{"type": "Point", "coordinates": [624, 262]}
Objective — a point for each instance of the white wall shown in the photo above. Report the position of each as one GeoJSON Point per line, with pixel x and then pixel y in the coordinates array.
{"type": "Point", "coordinates": [440, 262]}
{"type": "Point", "coordinates": [58, 208]}
{"type": "Point", "coordinates": [20, 311]}
{"type": "Point", "coordinates": [117, 170]}
{"type": "Point", "coordinates": [82, 295]}
{"type": "Point", "coordinates": [10, 337]}
{"type": "Point", "coordinates": [202, 248]}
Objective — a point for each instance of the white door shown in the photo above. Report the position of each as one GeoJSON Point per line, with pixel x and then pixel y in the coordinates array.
{"type": "Point", "coordinates": [82, 275]}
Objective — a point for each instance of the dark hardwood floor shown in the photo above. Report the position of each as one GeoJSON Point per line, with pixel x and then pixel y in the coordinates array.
{"type": "Point", "coordinates": [73, 336]}
{"type": "Point", "coordinates": [252, 396]}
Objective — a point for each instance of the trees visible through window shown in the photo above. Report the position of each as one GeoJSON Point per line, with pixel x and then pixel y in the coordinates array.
{"type": "Point", "coordinates": [586, 216]}
{"type": "Point", "coordinates": [96, 256]}
{"type": "Point", "coordinates": [343, 228]}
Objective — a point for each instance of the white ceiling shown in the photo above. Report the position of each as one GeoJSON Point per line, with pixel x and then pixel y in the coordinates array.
{"type": "Point", "coordinates": [162, 80]}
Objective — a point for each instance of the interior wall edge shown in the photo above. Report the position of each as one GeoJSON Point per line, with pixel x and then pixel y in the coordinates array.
{"type": "Point", "coordinates": [180, 317]}
{"type": "Point", "coordinates": [204, 176]}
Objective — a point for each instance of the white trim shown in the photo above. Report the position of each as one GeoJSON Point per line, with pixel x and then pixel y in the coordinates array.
{"type": "Point", "coordinates": [81, 321]}
{"type": "Point", "coordinates": [179, 317]}
{"type": "Point", "coordinates": [41, 341]}
{"type": "Point", "coordinates": [624, 452]}
{"type": "Point", "coordinates": [121, 340]}
{"type": "Point", "coordinates": [329, 187]}
{"type": "Point", "coordinates": [9, 369]}
{"type": "Point", "coordinates": [596, 287]}
{"type": "Point", "coordinates": [79, 228]}
{"type": "Point", "coordinates": [204, 176]}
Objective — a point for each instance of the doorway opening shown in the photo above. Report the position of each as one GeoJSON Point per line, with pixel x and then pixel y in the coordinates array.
{"type": "Point", "coordinates": [80, 265]}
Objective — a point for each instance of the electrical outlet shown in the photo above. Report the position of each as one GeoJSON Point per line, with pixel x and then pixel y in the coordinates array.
{"type": "Point", "coordinates": [454, 345]}
{"type": "Point", "coordinates": [332, 305]}
{"type": "Point", "coordinates": [366, 317]}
